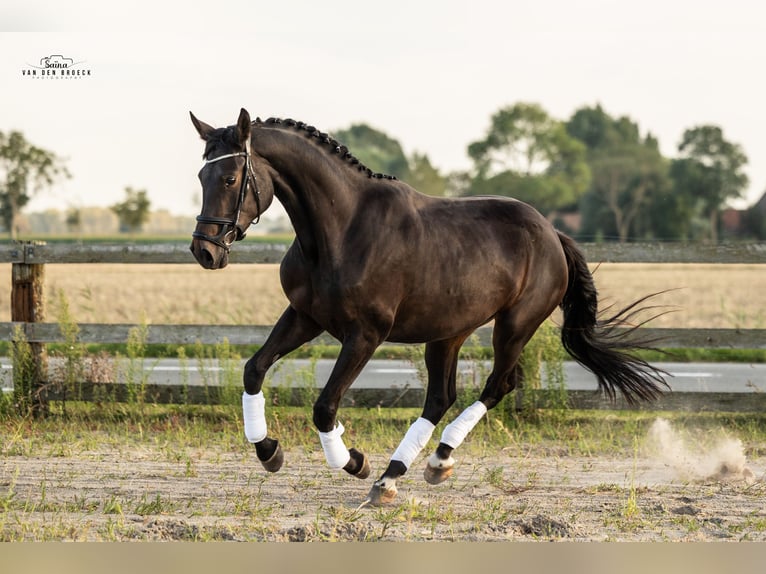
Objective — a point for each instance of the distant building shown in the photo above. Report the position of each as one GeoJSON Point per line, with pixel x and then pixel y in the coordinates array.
{"type": "Point", "coordinates": [745, 223]}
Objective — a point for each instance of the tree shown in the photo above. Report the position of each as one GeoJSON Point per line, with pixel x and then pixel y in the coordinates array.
{"type": "Point", "coordinates": [134, 211]}
{"type": "Point", "coordinates": [709, 170]}
{"type": "Point", "coordinates": [425, 177]}
{"type": "Point", "coordinates": [598, 130]}
{"type": "Point", "coordinates": [25, 169]}
{"type": "Point", "coordinates": [528, 155]}
{"type": "Point", "coordinates": [628, 173]}
{"type": "Point", "coordinates": [74, 220]}
{"type": "Point", "coordinates": [384, 154]}
{"type": "Point", "coordinates": [627, 179]}
{"type": "Point", "coordinates": [375, 149]}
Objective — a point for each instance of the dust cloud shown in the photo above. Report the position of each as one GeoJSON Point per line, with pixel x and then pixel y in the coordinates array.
{"type": "Point", "coordinates": [724, 459]}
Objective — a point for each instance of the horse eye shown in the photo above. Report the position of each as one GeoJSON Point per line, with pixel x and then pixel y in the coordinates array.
{"type": "Point", "coordinates": [229, 180]}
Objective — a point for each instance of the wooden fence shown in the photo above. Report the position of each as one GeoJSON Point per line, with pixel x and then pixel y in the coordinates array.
{"type": "Point", "coordinates": [28, 259]}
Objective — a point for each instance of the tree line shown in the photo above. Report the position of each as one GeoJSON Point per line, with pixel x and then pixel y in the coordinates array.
{"type": "Point", "coordinates": [594, 169]}
{"type": "Point", "coordinates": [601, 168]}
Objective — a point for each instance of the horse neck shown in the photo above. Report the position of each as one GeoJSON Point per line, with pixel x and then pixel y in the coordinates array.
{"type": "Point", "coordinates": [317, 193]}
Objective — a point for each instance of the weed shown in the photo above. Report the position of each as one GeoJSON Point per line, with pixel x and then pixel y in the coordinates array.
{"type": "Point", "coordinates": [494, 477]}
{"type": "Point", "coordinates": [6, 498]}
{"type": "Point", "coordinates": [543, 355]}
{"type": "Point", "coordinates": [69, 374]}
{"type": "Point", "coordinates": [136, 377]}
{"type": "Point", "coordinates": [472, 372]}
{"type": "Point", "coordinates": [631, 512]}
{"type": "Point", "coordinates": [156, 505]}
{"type": "Point", "coordinates": [6, 398]}
{"type": "Point", "coordinates": [299, 385]}
{"type": "Point", "coordinates": [229, 380]}
{"type": "Point", "coordinates": [306, 383]}
{"type": "Point", "coordinates": [24, 373]}
{"type": "Point", "coordinates": [184, 373]}
{"type": "Point", "coordinates": [387, 517]}
{"type": "Point", "coordinates": [112, 505]}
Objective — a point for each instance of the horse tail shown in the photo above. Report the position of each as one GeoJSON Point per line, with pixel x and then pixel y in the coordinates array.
{"type": "Point", "coordinates": [598, 344]}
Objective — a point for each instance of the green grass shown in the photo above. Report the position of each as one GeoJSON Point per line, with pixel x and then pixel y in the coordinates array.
{"type": "Point", "coordinates": [85, 425]}
{"type": "Point", "coordinates": [170, 350]}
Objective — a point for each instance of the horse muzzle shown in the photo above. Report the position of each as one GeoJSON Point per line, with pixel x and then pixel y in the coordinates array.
{"type": "Point", "coordinates": [209, 255]}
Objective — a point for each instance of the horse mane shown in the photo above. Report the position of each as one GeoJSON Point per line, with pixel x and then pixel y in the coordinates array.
{"type": "Point", "coordinates": [324, 140]}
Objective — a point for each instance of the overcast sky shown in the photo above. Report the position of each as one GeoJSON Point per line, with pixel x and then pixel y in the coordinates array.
{"type": "Point", "coordinates": [429, 74]}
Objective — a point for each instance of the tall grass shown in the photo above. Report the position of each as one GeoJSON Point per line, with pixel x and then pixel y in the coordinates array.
{"type": "Point", "coordinates": [544, 354]}
{"type": "Point", "coordinates": [300, 388]}
{"type": "Point", "coordinates": [219, 368]}
{"type": "Point", "coordinates": [24, 373]}
{"type": "Point", "coordinates": [71, 373]}
{"type": "Point", "coordinates": [136, 377]}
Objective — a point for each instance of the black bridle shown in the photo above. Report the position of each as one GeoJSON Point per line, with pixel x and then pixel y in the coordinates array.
{"type": "Point", "coordinates": [229, 226]}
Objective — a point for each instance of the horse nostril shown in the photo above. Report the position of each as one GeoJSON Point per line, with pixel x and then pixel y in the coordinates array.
{"type": "Point", "coordinates": [206, 259]}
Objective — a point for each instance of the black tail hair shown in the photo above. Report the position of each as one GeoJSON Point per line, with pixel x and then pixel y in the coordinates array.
{"type": "Point", "coordinates": [598, 344]}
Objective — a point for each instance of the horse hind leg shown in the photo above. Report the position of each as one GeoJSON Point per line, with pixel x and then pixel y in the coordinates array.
{"type": "Point", "coordinates": [508, 342]}
{"type": "Point", "coordinates": [440, 464]}
{"type": "Point", "coordinates": [441, 363]}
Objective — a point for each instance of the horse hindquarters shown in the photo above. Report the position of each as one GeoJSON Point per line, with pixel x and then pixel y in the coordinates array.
{"type": "Point", "coordinates": [514, 326]}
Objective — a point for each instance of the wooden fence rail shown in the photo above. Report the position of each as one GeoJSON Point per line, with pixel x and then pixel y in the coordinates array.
{"type": "Point", "coordinates": [256, 335]}
{"type": "Point", "coordinates": [29, 258]}
{"type": "Point", "coordinates": [254, 252]}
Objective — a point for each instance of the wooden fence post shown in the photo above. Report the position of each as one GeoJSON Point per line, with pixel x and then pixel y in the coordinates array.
{"type": "Point", "coordinates": [28, 306]}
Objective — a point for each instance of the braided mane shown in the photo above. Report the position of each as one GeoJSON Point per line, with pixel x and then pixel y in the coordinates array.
{"type": "Point", "coordinates": [330, 144]}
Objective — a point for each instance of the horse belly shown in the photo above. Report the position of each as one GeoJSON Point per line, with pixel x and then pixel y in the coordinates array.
{"type": "Point", "coordinates": [432, 316]}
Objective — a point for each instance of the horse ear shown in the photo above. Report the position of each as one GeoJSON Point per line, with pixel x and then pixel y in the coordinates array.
{"type": "Point", "coordinates": [203, 129]}
{"type": "Point", "coordinates": [243, 126]}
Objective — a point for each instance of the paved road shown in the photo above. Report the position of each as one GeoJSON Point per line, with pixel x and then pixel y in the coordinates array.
{"type": "Point", "coordinates": [685, 377]}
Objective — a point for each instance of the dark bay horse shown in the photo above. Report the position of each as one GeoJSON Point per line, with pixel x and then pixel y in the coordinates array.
{"type": "Point", "coordinates": [374, 260]}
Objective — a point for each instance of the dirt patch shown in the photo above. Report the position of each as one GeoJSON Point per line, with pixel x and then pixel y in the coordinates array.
{"type": "Point", "coordinates": [155, 493]}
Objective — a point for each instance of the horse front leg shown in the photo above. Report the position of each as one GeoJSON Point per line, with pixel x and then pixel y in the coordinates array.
{"type": "Point", "coordinates": [441, 362]}
{"type": "Point", "coordinates": [356, 351]}
{"type": "Point", "coordinates": [291, 331]}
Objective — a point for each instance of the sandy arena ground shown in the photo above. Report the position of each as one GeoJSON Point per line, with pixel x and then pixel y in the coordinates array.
{"type": "Point", "coordinates": [669, 494]}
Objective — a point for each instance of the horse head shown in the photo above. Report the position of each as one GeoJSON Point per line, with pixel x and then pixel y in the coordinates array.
{"type": "Point", "coordinates": [236, 190]}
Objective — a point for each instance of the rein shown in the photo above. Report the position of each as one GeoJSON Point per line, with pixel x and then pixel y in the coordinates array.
{"type": "Point", "coordinates": [229, 226]}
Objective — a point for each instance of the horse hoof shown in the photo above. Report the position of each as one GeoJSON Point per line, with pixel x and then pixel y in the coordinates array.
{"type": "Point", "coordinates": [438, 470]}
{"type": "Point", "coordinates": [358, 466]}
{"type": "Point", "coordinates": [274, 463]}
{"type": "Point", "coordinates": [364, 472]}
{"type": "Point", "coordinates": [381, 493]}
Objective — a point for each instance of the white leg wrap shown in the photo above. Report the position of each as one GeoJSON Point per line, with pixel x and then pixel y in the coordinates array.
{"type": "Point", "coordinates": [254, 411]}
{"type": "Point", "coordinates": [335, 451]}
{"type": "Point", "coordinates": [454, 433]}
{"type": "Point", "coordinates": [414, 441]}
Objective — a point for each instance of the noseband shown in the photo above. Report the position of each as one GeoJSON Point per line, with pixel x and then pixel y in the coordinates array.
{"type": "Point", "coordinates": [229, 226]}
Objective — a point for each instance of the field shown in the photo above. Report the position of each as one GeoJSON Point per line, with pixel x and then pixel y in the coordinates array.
{"type": "Point", "coordinates": [149, 472]}
{"type": "Point", "coordinates": [172, 475]}
{"type": "Point", "coordinates": [701, 296]}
